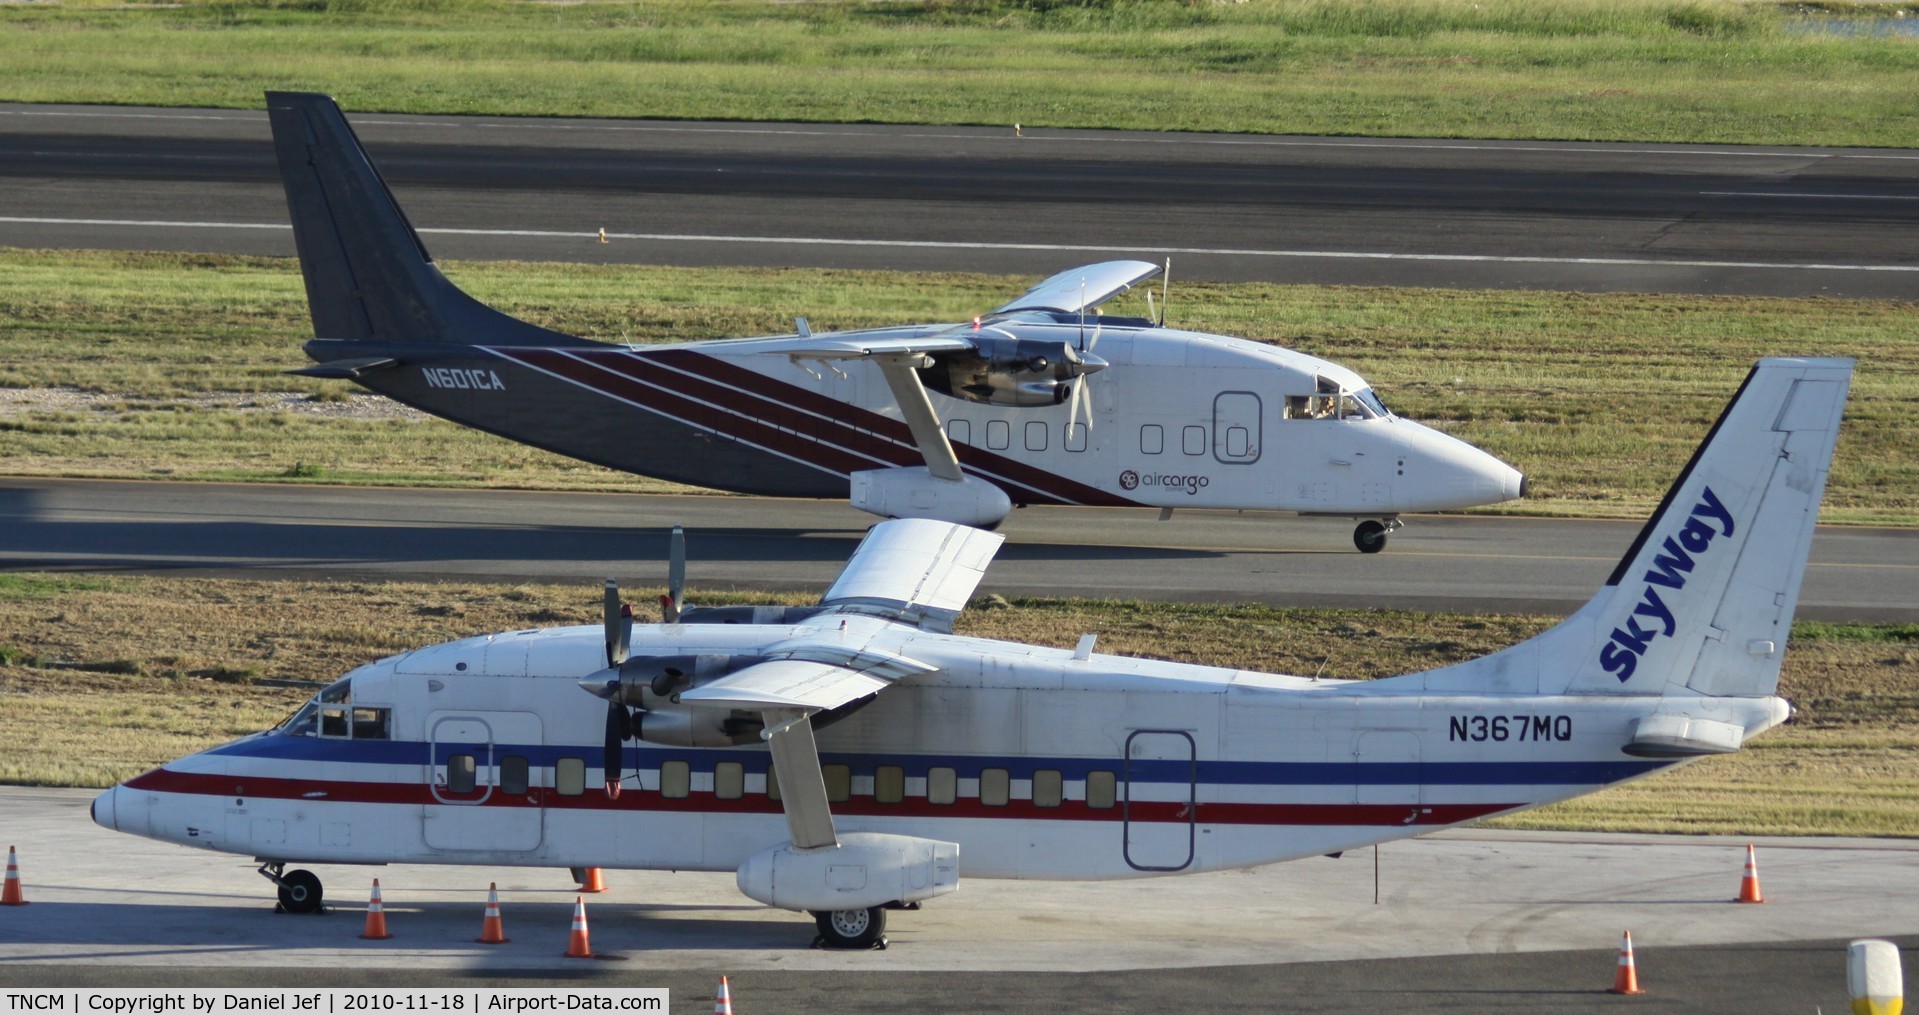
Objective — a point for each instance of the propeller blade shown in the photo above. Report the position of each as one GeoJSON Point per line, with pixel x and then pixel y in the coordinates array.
{"type": "Point", "coordinates": [675, 600]}
{"type": "Point", "coordinates": [619, 624]}
{"type": "Point", "coordinates": [617, 727]}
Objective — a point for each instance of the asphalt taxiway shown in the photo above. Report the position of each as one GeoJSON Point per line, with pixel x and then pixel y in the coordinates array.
{"type": "Point", "coordinates": [1392, 211]}
{"type": "Point", "coordinates": [1438, 563]}
{"type": "Point", "coordinates": [1507, 921]}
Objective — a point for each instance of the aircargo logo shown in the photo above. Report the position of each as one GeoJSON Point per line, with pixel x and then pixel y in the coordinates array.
{"type": "Point", "coordinates": [457, 377]}
{"type": "Point", "coordinates": [1707, 521]}
{"type": "Point", "coordinates": [1130, 480]}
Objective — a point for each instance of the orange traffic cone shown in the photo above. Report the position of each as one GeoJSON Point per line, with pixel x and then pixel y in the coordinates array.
{"type": "Point", "coordinates": [375, 916]}
{"type": "Point", "coordinates": [1626, 980]}
{"type": "Point", "coordinates": [12, 896]}
{"type": "Point", "coordinates": [492, 931]}
{"type": "Point", "coordinates": [594, 883]}
{"type": "Point", "coordinates": [1749, 885]}
{"type": "Point", "coordinates": [577, 946]}
{"type": "Point", "coordinates": [723, 1004]}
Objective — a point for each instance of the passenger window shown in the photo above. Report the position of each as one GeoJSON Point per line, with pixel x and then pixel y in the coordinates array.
{"type": "Point", "coordinates": [959, 431]}
{"type": "Point", "coordinates": [514, 774]}
{"type": "Point", "coordinates": [942, 786]}
{"type": "Point", "coordinates": [729, 780]}
{"type": "Point", "coordinates": [999, 434]}
{"type": "Point", "coordinates": [1048, 789]}
{"type": "Point", "coordinates": [1101, 790]}
{"type": "Point", "coordinates": [889, 784]}
{"type": "Point", "coordinates": [995, 788]}
{"type": "Point", "coordinates": [370, 724]}
{"type": "Point", "coordinates": [1075, 437]}
{"type": "Point", "coordinates": [839, 782]}
{"type": "Point", "coordinates": [1152, 439]}
{"type": "Point", "coordinates": [1236, 440]}
{"type": "Point", "coordinates": [676, 779]}
{"type": "Point", "coordinates": [461, 774]}
{"type": "Point", "coordinates": [1035, 435]}
{"type": "Point", "coordinates": [333, 722]}
{"type": "Point", "coordinates": [569, 776]}
{"type": "Point", "coordinates": [1194, 438]}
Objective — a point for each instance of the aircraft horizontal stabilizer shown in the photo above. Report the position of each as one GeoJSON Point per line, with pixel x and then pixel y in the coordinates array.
{"type": "Point", "coordinates": [346, 369]}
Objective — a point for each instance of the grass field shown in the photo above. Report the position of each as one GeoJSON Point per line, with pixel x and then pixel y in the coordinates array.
{"type": "Point", "coordinates": [169, 365]}
{"type": "Point", "coordinates": [1670, 70]}
{"type": "Point", "coordinates": [106, 676]}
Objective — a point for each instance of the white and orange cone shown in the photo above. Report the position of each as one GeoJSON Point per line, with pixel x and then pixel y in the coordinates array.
{"type": "Point", "coordinates": [1626, 979]}
{"type": "Point", "coordinates": [375, 916]}
{"type": "Point", "coordinates": [1749, 884]}
{"type": "Point", "coordinates": [577, 946]}
{"type": "Point", "coordinates": [594, 883]}
{"type": "Point", "coordinates": [12, 895]}
{"type": "Point", "coordinates": [723, 1004]}
{"type": "Point", "coordinates": [492, 930]}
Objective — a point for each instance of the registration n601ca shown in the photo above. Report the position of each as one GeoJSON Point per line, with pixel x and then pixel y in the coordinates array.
{"type": "Point", "coordinates": [1510, 727]}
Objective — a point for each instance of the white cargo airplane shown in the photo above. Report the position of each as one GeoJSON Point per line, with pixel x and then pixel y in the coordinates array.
{"type": "Point", "coordinates": [957, 421]}
{"type": "Point", "coordinates": [951, 755]}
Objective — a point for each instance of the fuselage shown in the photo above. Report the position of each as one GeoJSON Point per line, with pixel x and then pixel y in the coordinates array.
{"type": "Point", "coordinates": [1178, 419]}
{"type": "Point", "coordinates": [1039, 764]}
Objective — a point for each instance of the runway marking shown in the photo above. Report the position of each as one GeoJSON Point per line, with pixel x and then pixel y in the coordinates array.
{"type": "Point", "coordinates": [826, 241]}
{"type": "Point", "coordinates": [988, 134]}
{"type": "Point", "coordinates": [1822, 197]}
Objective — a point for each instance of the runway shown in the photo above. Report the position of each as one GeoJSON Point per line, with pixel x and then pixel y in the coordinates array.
{"type": "Point", "coordinates": [1437, 563]}
{"type": "Point", "coordinates": [1470, 920]}
{"type": "Point", "coordinates": [1597, 217]}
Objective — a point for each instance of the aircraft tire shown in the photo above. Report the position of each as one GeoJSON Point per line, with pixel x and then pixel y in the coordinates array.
{"type": "Point", "coordinates": [300, 892]}
{"type": "Point", "coordinates": [1370, 536]}
{"type": "Point", "coordinates": [851, 928]}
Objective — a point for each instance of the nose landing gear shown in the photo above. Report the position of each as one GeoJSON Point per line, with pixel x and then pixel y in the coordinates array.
{"type": "Point", "coordinates": [1370, 536]}
{"type": "Point", "coordinates": [300, 890]}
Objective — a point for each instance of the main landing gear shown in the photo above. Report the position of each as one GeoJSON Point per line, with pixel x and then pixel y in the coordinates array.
{"type": "Point", "coordinates": [300, 890]}
{"type": "Point", "coordinates": [852, 928]}
{"type": "Point", "coordinates": [1370, 536]}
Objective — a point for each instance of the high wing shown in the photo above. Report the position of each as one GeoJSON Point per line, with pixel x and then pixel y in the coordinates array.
{"type": "Point", "coordinates": [909, 570]}
{"type": "Point", "coordinates": [984, 361]}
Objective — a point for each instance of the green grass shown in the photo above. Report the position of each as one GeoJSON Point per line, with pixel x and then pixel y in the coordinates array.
{"type": "Point", "coordinates": [1599, 398]}
{"type": "Point", "coordinates": [1674, 70]}
{"type": "Point", "coordinates": [108, 676]}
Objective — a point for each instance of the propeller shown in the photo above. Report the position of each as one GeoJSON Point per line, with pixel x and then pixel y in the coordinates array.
{"type": "Point", "coordinates": [674, 602]}
{"type": "Point", "coordinates": [1088, 365]}
{"type": "Point", "coordinates": [619, 724]}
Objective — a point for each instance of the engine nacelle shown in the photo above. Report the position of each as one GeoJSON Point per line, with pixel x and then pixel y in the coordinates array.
{"type": "Point", "coordinates": [913, 492]}
{"type": "Point", "coordinates": [866, 869]}
{"type": "Point", "coordinates": [1010, 371]}
{"type": "Point", "coordinates": [680, 726]}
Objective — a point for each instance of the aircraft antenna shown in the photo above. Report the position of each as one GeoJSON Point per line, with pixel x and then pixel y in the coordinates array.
{"type": "Point", "coordinates": [1082, 313]}
{"type": "Point", "coordinates": [1165, 291]}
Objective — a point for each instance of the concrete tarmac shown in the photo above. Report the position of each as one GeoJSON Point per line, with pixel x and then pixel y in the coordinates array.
{"type": "Point", "coordinates": [1436, 563]}
{"type": "Point", "coordinates": [1372, 211]}
{"type": "Point", "coordinates": [1501, 920]}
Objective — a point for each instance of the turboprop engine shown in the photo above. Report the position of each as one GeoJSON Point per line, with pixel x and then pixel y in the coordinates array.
{"type": "Point", "coordinates": [645, 693]}
{"type": "Point", "coordinates": [1010, 371]}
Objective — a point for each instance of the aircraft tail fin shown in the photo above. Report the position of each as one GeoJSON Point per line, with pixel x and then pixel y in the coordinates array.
{"type": "Point", "coordinates": [368, 276]}
{"type": "Point", "coordinates": [1702, 601]}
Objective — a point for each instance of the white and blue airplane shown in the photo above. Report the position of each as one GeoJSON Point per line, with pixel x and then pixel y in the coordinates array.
{"type": "Point", "coordinates": [857, 755]}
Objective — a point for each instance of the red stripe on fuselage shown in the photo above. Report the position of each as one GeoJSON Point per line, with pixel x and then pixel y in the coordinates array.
{"type": "Point", "coordinates": [412, 794]}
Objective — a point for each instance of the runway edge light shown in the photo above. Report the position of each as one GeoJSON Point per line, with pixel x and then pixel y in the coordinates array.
{"type": "Point", "coordinates": [1874, 979]}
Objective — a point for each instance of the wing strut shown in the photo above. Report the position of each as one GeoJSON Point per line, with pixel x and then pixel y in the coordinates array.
{"type": "Point", "coordinates": [796, 764]}
{"type": "Point", "coordinates": [920, 417]}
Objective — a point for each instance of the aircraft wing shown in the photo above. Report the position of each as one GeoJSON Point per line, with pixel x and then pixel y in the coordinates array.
{"type": "Point", "coordinates": [1081, 289]}
{"type": "Point", "coordinates": [856, 347]}
{"type": "Point", "coordinates": [787, 683]}
{"type": "Point", "coordinates": [914, 569]}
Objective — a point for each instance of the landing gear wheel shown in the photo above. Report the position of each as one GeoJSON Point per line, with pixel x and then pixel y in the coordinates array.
{"type": "Point", "coordinates": [851, 928]}
{"type": "Point", "coordinates": [300, 892]}
{"type": "Point", "coordinates": [1370, 536]}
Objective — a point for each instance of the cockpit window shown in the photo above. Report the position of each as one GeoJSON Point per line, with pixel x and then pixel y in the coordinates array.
{"type": "Point", "coordinates": [1371, 402]}
{"type": "Point", "coordinates": [1331, 401]}
{"type": "Point", "coordinates": [332, 714]}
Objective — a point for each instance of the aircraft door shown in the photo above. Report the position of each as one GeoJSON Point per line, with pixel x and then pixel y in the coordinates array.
{"type": "Point", "coordinates": [1157, 810]}
{"type": "Point", "coordinates": [480, 777]}
{"type": "Point", "coordinates": [1236, 427]}
{"type": "Point", "coordinates": [1387, 771]}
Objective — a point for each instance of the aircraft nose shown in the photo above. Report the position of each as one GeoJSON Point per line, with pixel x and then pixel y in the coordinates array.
{"type": "Point", "coordinates": [1456, 475]}
{"type": "Point", "coordinates": [105, 813]}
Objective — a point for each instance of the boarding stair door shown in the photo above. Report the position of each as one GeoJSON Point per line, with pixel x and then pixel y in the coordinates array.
{"type": "Point", "coordinates": [1236, 429]}
{"type": "Point", "coordinates": [1157, 809]}
{"type": "Point", "coordinates": [482, 794]}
